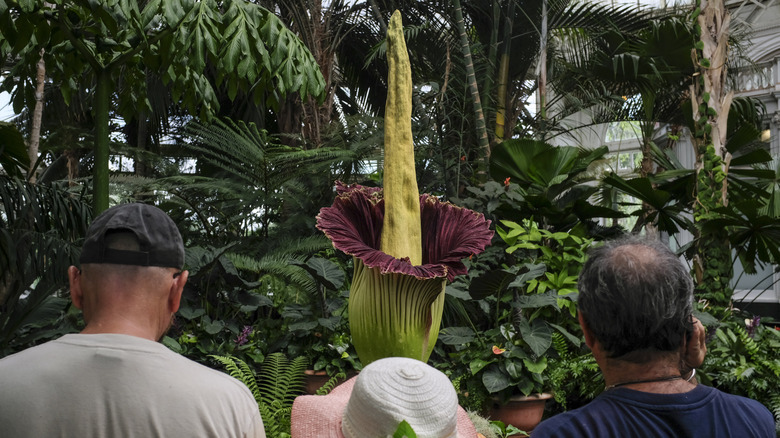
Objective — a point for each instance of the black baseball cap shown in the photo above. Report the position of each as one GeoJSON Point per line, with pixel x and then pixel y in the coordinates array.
{"type": "Point", "coordinates": [160, 241]}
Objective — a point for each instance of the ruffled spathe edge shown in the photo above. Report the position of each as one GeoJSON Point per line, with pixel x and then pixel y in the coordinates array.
{"type": "Point", "coordinates": [450, 233]}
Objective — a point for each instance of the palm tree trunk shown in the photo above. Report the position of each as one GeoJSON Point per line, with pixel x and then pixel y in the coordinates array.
{"type": "Point", "coordinates": [543, 69]}
{"type": "Point", "coordinates": [713, 268]}
{"type": "Point", "coordinates": [487, 84]}
{"type": "Point", "coordinates": [102, 107]}
{"type": "Point", "coordinates": [35, 134]}
{"type": "Point", "coordinates": [503, 74]}
{"type": "Point", "coordinates": [482, 135]}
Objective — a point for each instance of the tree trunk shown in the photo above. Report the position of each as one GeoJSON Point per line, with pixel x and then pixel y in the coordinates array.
{"type": "Point", "coordinates": [713, 268]}
{"type": "Point", "coordinates": [503, 75]}
{"type": "Point", "coordinates": [543, 70]}
{"type": "Point", "coordinates": [487, 84]}
{"type": "Point", "coordinates": [102, 108]}
{"type": "Point", "coordinates": [35, 133]}
{"type": "Point", "coordinates": [482, 135]}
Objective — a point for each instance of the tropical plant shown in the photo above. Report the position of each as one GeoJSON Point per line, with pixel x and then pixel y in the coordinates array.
{"type": "Point", "coordinates": [751, 225]}
{"type": "Point", "coordinates": [13, 151]}
{"type": "Point", "coordinates": [115, 46]}
{"type": "Point", "coordinates": [575, 377]}
{"type": "Point", "coordinates": [251, 171]}
{"type": "Point", "coordinates": [711, 101]}
{"type": "Point", "coordinates": [41, 226]}
{"type": "Point", "coordinates": [318, 328]}
{"type": "Point", "coordinates": [743, 357]}
{"type": "Point", "coordinates": [552, 184]}
{"type": "Point", "coordinates": [279, 381]}
{"type": "Point", "coordinates": [506, 349]}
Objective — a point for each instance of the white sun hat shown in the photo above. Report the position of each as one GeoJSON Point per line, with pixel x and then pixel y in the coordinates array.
{"type": "Point", "coordinates": [375, 402]}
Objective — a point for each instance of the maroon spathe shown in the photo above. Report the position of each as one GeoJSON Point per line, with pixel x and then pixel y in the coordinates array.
{"type": "Point", "coordinates": [450, 233]}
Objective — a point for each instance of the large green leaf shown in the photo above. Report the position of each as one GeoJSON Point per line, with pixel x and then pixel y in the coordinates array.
{"type": "Point", "coordinates": [13, 150]}
{"type": "Point", "coordinates": [494, 380]}
{"type": "Point", "coordinates": [490, 283]}
{"type": "Point", "coordinates": [324, 271]}
{"type": "Point", "coordinates": [456, 335]}
{"type": "Point", "coordinates": [537, 335]}
{"type": "Point", "coordinates": [549, 298]}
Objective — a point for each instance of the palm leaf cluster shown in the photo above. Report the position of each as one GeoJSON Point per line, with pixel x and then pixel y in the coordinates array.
{"type": "Point", "coordinates": [41, 227]}
{"type": "Point", "coordinates": [243, 176]}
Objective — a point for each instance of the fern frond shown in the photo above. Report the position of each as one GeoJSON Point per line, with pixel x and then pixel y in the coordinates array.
{"type": "Point", "coordinates": [279, 382]}
{"type": "Point", "coordinates": [749, 344]}
{"type": "Point", "coordinates": [560, 345]}
{"type": "Point", "coordinates": [281, 379]}
{"type": "Point", "coordinates": [330, 384]}
{"type": "Point", "coordinates": [278, 266]}
{"type": "Point", "coordinates": [774, 406]}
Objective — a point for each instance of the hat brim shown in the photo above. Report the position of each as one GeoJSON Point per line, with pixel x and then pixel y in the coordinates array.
{"type": "Point", "coordinates": [320, 415]}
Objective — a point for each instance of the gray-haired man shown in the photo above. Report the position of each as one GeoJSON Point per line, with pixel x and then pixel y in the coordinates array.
{"type": "Point", "coordinates": [636, 311]}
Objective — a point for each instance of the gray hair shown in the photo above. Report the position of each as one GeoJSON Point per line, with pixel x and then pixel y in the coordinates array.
{"type": "Point", "coordinates": [636, 297]}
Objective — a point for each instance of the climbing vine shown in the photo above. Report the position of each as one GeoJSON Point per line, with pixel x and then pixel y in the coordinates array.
{"type": "Point", "coordinates": [710, 103]}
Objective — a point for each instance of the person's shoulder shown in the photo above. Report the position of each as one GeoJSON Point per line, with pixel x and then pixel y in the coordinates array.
{"type": "Point", "coordinates": [27, 355]}
{"type": "Point", "coordinates": [570, 424]}
{"type": "Point", "coordinates": [205, 377]}
{"type": "Point", "coordinates": [739, 403]}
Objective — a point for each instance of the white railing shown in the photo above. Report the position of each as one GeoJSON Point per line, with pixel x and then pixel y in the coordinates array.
{"type": "Point", "coordinates": [759, 77]}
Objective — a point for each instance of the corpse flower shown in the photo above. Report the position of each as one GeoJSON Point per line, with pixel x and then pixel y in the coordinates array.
{"type": "Point", "coordinates": [405, 246]}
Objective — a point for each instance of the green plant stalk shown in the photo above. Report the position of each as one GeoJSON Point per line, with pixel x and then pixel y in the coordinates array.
{"type": "Point", "coordinates": [394, 314]}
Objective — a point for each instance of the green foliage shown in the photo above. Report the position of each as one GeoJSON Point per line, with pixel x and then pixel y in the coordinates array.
{"type": "Point", "coordinates": [41, 226]}
{"type": "Point", "coordinates": [332, 382]}
{"type": "Point", "coordinates": [551, 183]}
{"type": "Point", "coordinates": [280, 380]}
{"type": "Point", "coordinates": [253, 174]}
{"type": "Point", "coordinates": [506, 430]}
{"type": "Point", "coordinates": [508, 345]}
{"type": "Point", "coordinates": [114, 47]}
{"type": "Point", "coordinates": [743, 358]}
{"type": "Point", "coordinates": [575, 377]}
{"type": "Point", "coordinates": [13, 151]}
{"type": "Point", "coordinates": [247, 46]}
{"type": "Point", "coordinates": [404, 430]}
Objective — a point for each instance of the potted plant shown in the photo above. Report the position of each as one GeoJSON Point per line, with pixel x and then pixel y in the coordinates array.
{"type": "Point", "coordinates": [502, 355]}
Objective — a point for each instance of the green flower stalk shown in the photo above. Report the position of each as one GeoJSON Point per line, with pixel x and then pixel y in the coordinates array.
{"type": "Point", "coordinates": [405, 245]}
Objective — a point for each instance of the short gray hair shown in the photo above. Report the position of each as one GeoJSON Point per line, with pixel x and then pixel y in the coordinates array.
{"type": "Point", "coordinates": [636, 296]}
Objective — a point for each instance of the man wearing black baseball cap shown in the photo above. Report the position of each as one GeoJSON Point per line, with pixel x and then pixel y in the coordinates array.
{"type": "Point", "coordinates": [114, 379]}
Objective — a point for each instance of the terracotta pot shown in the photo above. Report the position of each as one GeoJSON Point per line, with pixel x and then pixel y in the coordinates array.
{"type": "Point", "coordinates": [315, 380]}
{"type": "Point", "coordinates": [521, 412]}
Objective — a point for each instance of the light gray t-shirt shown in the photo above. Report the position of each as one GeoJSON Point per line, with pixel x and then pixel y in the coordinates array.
{"type": "Point", "coordinates": [113, 386]}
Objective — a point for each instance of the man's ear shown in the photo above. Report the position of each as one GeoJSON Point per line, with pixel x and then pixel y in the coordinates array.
{"type": "Point", "coordinates": [76, 294]}
{"type": "Point", "coordinates": [174, 295]}
{"type": "Point", "coordinates": [694, 346]}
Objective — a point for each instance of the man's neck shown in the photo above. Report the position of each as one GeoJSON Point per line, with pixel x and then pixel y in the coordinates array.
{"type": "Point", "coordinates": [660, 376]}
{"type": "Point", "coordinates": [122, 327]}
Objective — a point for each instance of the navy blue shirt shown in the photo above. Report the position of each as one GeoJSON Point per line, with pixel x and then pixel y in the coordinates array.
{"type": "Point", "coordinates": [703, 412]}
